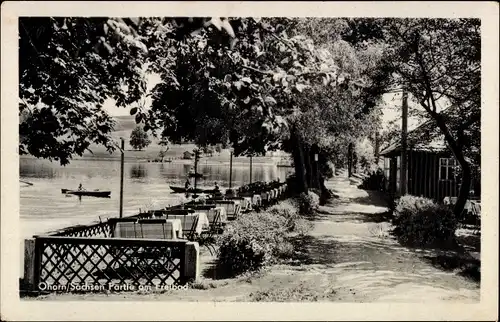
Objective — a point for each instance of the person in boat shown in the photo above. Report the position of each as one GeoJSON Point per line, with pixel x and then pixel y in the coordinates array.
{"type": "Point", "coordinates": [217, 192]}
{"type": "Point", "coordinates": [80, 187]}
{"type": "Point", "coordinates": [187, 185]}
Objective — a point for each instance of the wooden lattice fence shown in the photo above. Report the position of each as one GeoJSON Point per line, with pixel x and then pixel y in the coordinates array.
{"type": "Point", "coordinates": [75, 261]}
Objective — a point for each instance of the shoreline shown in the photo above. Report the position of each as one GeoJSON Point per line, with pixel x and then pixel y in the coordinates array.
{"type": "Point", "coordinates": [271, 161]}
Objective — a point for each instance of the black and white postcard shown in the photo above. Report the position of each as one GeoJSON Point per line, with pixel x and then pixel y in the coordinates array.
{"type": "Point", "coordinates": [249, 160]}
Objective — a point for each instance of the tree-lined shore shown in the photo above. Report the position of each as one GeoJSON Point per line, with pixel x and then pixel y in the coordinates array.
{"type": "Point", "coordinates": [311, 87]}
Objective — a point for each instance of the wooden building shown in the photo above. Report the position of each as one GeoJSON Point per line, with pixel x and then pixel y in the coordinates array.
{"type": "Point", "coordinates": [431, 167]}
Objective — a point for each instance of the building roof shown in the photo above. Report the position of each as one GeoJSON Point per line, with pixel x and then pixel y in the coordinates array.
{"type": "Point", "coordinates": [425, 138]}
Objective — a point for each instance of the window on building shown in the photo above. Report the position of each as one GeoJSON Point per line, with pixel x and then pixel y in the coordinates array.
{"type": "Point", "coordinates": [387, 171]}
{"type": "Point", "coordinates": [447, 168]}
{"type": "Point", "coordinates": [387, 167]}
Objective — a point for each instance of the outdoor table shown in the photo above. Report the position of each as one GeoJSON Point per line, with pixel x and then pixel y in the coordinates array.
{"type": "Point", "coordinates": [232, 207]}
{"type": "Point", "coordinates": [237, 202]}
{"type": "Point", "coordinates": [222, 214]}
{"type": "Point", "coordinates": [453, 200]}
{"type": "Point", "coordinates": [148, 228]}
{"type": "Point", "coordinates": [177, 226]}
{"type": "Point", "coordinates": [248, 203]}
{"type": "Point", "coordinates": [159, 228]}
{"type": "Point", "coordinates": [257, 200]}
{"type": "Point", "coordinates": [476, 207]}
{"type": "Point", "coordinates": [126, 230]}
{"type": "Point", "coordinates": [189, 219]}
{"type": "Point", "coordinates": [245, 203]}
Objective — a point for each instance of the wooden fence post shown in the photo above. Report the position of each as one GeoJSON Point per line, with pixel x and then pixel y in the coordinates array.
{"type": "Point", "coordinates": [192, 267]}
{"type": "Point", "coordinates": [29, 265]}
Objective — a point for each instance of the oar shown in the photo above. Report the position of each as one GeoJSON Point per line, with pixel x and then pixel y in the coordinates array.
{"type": "Point", "coordinates": [26, 182]}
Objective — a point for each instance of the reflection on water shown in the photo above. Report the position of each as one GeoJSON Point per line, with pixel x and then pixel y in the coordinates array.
{"type": "Point", "coordinates": [138, 171]}
{"type": "Point", "coordinates": [146, 185]}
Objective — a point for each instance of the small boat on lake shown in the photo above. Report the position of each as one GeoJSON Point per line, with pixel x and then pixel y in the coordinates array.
{"type": "Point", "coordinates": [100, 194]}
{"type": "Point", "coordinates": [178, 189]}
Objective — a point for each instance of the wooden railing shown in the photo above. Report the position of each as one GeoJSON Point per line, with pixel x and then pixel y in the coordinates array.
{"type": "Point", "coordinates": [90, 256]}
{"type": "Point", "coordinates": [102, 229]}
{"type": "Point", "coordinates": [66, 263]}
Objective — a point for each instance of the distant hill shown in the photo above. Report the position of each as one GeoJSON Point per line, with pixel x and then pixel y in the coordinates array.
{"type": "Point", "coordinates": [124, 123]}
{"type": "Point", "coordinates": [123, 128]}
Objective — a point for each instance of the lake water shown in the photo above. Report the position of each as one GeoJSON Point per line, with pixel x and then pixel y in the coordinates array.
{"type": "Point", "coordinates": [146, 186]}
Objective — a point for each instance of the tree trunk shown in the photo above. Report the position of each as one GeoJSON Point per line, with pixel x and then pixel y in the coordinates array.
{"type": "Point", "coordinates": [354, 164]}
{"type": "Point", "coordinates": [308, 166]}
{"type": "Point", "coordinates": [298, 160]}
{"type": "Point", "coordinates": [377, 148]}
{"type": "Point", "coordinates": [315, 180]}
{"type": "Point", "coordinates": [456, 148]}
{"type": "Point", "coordinates": [457, 151]}
{"type": "Point", "coordinates": [349, 160]}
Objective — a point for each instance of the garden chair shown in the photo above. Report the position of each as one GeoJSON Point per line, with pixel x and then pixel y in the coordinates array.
{"type": "Point", "coordinates": [232, 209]}
{"type": "Point", "coordinates": [476, 212]}
{"type": "Point", "coordinates": [189, 223]}
{"type": "Point", "coordinates": [256, 201]}
{"type": "Point", "coordinates": [207, 237]}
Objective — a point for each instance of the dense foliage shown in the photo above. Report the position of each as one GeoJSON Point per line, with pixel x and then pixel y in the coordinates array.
{"type": "Point", "coordinates": [139, 140]}
{"type": "Point", "coordinates": [272, 88]}
{"type": "Point", "coordinates": [438, 61]}
{"type": "Point", "coordinates": [307, 203]}
{"type": "Point", "coordinates": [421, 222]}
{"type": "Point", "coordinates": [69, 66]}
{"type": "Point", "coordinates": [256, 240]}
{"type": "Point", "coordinates": [306, 86]}
{"type": "Point", "coordinates": [250, 242]}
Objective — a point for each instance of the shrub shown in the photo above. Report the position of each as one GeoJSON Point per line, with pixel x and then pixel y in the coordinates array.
{"type": "Point", "coordinates": [375, 181]}
{"type": "Point", "coordinates": [421, 222]}
{"type": "Point", "coordinates": [256, 240]}
{"type": "Point", "coordinates": [307, 203]}
{"type": "Point", "coordinates": [294, 222]}
{"type": "Point", "coordinates": [250, 242]}
{"type": "Point", "coordinates": [289, 214]}
{"type": "Point", "coordinates": [409, 204]}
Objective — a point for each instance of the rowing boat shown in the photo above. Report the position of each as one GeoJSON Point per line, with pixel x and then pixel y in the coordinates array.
{"type": "Point", "coordinates": [102, 194]}
{"type": "Point", "coordinates": [191, 190]}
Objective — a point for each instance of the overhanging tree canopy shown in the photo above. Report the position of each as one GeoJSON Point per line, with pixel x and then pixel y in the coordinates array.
{"type": "Point", "coordinates": [69, 66]}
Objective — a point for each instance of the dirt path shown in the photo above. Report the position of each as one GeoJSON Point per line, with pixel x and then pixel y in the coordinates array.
{"type": "Point", "coordinates": [349, 257]}
{"type": "Point", "coordinates": [352, 244]}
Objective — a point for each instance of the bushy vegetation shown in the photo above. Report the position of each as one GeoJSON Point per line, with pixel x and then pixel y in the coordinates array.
{"type": "Point", "coordinates": [294, 222]}
{"type": "Point", "coordinates": [421, 222]}
{"type": "Point", "coordinates": [258, 239]}
{"type": "Point", "coordinates": [375, 181]}
{"type": "Point", "coordinates": [307, 204]}
{"type": "Point", "coordinates": [139, 139]}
